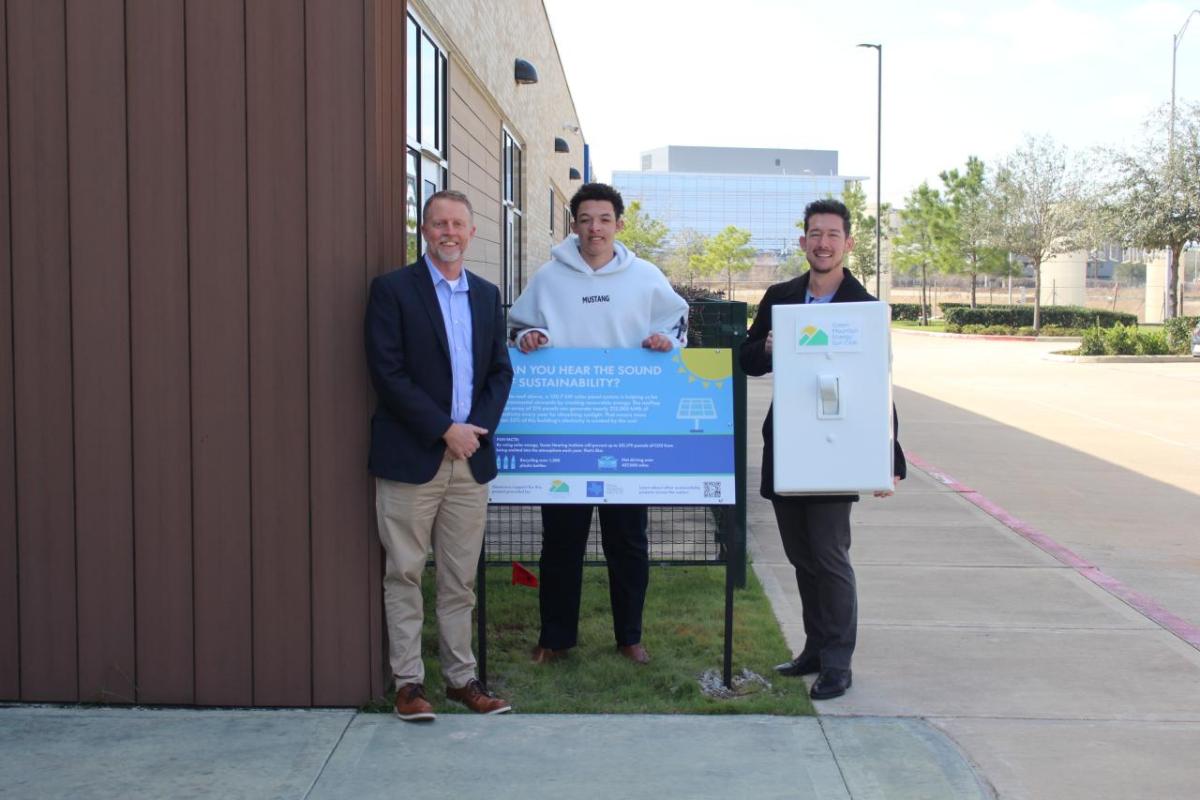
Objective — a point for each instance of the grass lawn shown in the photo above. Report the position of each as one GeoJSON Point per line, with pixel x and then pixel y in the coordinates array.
{"type": "Point", "coordinates": [934, 325]}
{"type": "Point", "coordinates": [683, 631]}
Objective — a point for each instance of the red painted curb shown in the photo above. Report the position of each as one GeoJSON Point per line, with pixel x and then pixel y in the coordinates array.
{"type": "Point", "coordinates": [1148, 607]}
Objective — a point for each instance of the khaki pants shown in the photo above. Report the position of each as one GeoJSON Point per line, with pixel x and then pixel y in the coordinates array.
{"type": "Point", "coordinates": [449, 512]}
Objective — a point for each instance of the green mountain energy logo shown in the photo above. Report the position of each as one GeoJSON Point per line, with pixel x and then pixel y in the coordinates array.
{"type": "Point", "coordinates": [812, 336]}
{"type": "Point", "coordinates": [560, 487]}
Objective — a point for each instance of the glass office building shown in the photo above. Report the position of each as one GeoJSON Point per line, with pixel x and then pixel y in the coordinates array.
{"type": "Point", "coordinates": [705, 189]}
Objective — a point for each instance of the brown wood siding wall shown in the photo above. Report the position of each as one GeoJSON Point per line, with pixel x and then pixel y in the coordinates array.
{"type": "Point", "coordinates": [193, 199]}
{"type": "Point", "coordinates": [10, 625]}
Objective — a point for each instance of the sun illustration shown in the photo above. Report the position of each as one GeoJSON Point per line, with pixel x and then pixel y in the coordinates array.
{"type": "Point", "coordinates": [707, 366]}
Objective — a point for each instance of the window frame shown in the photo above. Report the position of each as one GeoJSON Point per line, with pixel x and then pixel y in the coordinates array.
{"type": "Point", "coordinates": [512, 212]}
{"type": "Point", "coordinates": [431, 159]}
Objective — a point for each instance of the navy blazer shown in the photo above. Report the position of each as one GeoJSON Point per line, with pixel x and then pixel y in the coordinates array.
{"type": "Point", "coordinates": [756, 361]}
{"type": "Point", "coordinates": [409, 360]}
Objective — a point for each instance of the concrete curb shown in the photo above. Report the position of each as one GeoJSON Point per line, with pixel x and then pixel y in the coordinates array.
{"type": "Point", "coordinates": [990, 336]}
{"type": "Point", "coordinates": [1068, 357]}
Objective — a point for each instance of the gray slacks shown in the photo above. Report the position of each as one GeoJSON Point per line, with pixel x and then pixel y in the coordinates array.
{"type": "Point", "coordinates": [816, 539]}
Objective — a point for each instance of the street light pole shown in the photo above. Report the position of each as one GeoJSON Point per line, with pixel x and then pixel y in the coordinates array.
{"type": "Point", "coordinates": [1170, 312]}
{"type": "Point", "coordinates": [879, 162]}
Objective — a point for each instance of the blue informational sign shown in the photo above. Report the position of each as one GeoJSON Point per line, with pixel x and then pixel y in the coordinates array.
{"type": "Point", "coordinates": [617, 426]}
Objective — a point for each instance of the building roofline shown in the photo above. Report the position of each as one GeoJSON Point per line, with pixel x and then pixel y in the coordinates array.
{"type": "Point", "coordinates": [859, 178]}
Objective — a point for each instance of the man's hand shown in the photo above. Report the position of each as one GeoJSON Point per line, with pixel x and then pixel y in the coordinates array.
{"type": "Point", "coordinates": [530, 342]}
{"type": "Point", "coordinates": [895, 483]}
{"type": "Point", "coordinates": [658, 343]}
{"type": "Point", "coordinates": [462, 439]}
{"type": "Point", "coordinates": [770, 339]}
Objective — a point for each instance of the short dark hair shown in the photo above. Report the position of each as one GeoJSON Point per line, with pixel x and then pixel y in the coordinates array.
{"type": "Point", "coordinates": [828, 206]}
{"type": "Point", "coordinates": [447, 194]}
{"type": "Point", "coordinates": [597, 191]}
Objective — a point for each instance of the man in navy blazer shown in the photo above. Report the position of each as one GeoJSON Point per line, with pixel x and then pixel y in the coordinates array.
{"type": "Point", "coordinates": [437, 354]}
{"type": "Point", "coordinates": [815, 529]}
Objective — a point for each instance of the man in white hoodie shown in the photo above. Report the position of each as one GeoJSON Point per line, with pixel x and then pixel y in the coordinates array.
{"type": "Point", "coordinates": [595, 293]}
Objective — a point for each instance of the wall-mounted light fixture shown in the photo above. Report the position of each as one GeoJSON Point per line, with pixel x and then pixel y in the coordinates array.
{"type": "Point", "coordinates": [574, 174]}
{"type": "Point", "coordinates": [560, 145]}
{"type": "Point", "coordinates": [524, 72]}
{"type": "Point", "coordinates": [567, 126]}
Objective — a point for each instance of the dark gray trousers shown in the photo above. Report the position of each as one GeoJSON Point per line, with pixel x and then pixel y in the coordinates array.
{"type": "Point", "coordinates": [623, 534]}
{"type": "Point", "coordinates": [816, 538]}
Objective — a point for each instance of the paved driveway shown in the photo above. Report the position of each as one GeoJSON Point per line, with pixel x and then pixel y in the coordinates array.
{"type": "Point", "coordinates": [1105, 458]}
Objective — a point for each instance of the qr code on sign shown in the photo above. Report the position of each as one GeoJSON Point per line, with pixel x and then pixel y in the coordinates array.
{"type": "Point", "coordinates": [712, 489]}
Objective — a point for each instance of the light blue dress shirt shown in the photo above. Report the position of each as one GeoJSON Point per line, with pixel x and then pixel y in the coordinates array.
{"type": "Point", "coordinates": [456, 314]}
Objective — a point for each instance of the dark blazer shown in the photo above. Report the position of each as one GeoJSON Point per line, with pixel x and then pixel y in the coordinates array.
{"type": "Point", "coordinates": [756, 360]}
{"type": "Point", "coordinates": [409, 360]}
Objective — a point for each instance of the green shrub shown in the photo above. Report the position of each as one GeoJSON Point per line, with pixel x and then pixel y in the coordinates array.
{"type": "Point", "coordinates": [1120, 340]}
{"type": "Point", "coordinates": [1093, 342]}
{"type": "Point", "coordinates": [1178, 331]}
{"type": "Point", "coordinates": [1025, 330]}
{"type": "Point", "coordinates": [986, 330]}
{"type": "Point", "coordinates": [1018, 316]}
{"type": "Point", "coordinates": [1059, 330]}
{"type": "Point", "coordinates": [909, 311]}
{"type": "Point", "coordinates": [1152, 343]}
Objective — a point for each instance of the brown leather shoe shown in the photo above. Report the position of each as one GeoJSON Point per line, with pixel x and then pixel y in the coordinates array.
{"type": "Point", "coordinates": [478, 699]}
{"type": "Point", "coordinates": [634, 652]}
{"type": "Point", "coordinates": [544, 655]}
{"type": "Point", "coordinates": [411, 705]}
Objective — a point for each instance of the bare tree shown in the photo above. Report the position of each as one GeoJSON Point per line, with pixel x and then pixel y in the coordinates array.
{"type": "Point", "coordinates": [1041, 213]}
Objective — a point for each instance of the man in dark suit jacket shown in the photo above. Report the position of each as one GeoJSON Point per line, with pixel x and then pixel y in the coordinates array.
{"type": "Point", "coordinates": [437, 355]}
{"type": "Point", "coordinates": [816, 529]}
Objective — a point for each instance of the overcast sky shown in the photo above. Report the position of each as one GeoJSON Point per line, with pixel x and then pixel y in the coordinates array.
{"type": "Point", "coordinates": [959, 78]}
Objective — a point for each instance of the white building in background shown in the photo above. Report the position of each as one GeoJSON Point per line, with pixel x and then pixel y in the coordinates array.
{"type": "Point", "coordinates": [706, 189]}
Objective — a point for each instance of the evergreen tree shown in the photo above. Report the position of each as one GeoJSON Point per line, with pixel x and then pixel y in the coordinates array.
{"type": "Point", "coordinates": [923, 242]}
{"type": "Point", "coordinates": [643, 234]}
{"type": "Point", "coordinates": [971, 228]}
{"type": "Point", "coordinates": [728, 251]}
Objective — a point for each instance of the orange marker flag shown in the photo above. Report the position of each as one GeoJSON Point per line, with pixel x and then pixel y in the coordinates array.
{"type": "Point", "coordinates": [523, 577]}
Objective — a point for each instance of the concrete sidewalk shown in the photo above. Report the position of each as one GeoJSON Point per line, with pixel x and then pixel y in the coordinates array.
{"type": "Point", "coordinates": [125, 753]}
{"type": "Point", "coordinates": [1051, 685]}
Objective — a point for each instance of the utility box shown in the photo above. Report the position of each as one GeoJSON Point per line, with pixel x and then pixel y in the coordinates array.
{"type": "Point", "coordinates": [833, 398]}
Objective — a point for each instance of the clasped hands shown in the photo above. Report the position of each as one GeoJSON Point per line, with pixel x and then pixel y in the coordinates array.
{"type": "Point", "coordinates": [535, 339]}
{"type": "Point", "coordinates": [462, 439]}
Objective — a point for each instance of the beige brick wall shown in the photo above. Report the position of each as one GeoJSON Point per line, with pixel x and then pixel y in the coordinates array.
{"type": "Point", "coordinates": [483, 40]}
{"type": "Point", "coordinates": [475, 169]}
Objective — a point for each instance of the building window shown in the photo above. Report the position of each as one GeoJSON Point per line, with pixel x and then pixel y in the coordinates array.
{"type": "Point", "coordinates": [427, 167]}
{"type": "Point", "coordinates": [553, 212]}
{"type": "Point", "coordinates": [566, 212]}
{"type": "Point", "coordinates": [511, 181]}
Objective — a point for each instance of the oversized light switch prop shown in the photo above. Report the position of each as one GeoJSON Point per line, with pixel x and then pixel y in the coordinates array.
{"type": "Point", "coordinates": [833, 398]}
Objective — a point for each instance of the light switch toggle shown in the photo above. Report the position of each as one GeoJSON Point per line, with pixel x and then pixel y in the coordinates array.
{"type": "Point", "coordinates": [829, 397]}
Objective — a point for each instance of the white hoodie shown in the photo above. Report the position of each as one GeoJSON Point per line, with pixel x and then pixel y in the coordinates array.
{"type": "Point", "coordinates": [618, 305]}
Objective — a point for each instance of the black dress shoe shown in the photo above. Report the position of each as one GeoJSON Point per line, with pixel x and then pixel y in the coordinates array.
{"type": "Point", "coordinates": [830, 683]}
{"type": "Point", "coordinates": [803, 664]}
